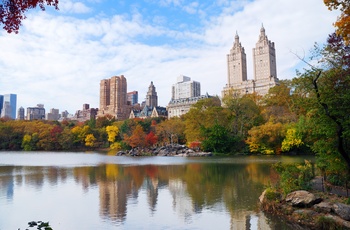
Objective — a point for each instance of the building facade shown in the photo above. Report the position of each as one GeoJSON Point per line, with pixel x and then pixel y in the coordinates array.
{"type": "Point", "coordinates": [185, 88]}
{"type": "Point", "coordinates": [113, 98]}
{"type": "Point", "coordinates": [20, 113]}
{"type": "Point", "coordinates": [9, 106]}
{"type": "Point", "coordinates": [85, 114]}
{"type": "Point", "coordinates": [265, 70]}
{"type": "Point", "coordinates": [133, 97]}
{"type": "Point", "coordinates": [151, 96]}
{"type": "Point", "coordinates": [36, 113]}
{"type": "Point", "coordinates": [53, 115]}
{"type": "Point", "coordinates": [179, 107]}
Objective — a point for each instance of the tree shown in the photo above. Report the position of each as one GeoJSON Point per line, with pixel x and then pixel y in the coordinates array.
{"type": "Point", "coordinates": [330, 116]}
{"type": "Point", "coordinates": [90, 140]}
{"type": "Point", "coordinates": [203, 114]}
{"type": "Point", "coordinates": [137, 139]}
{"type": "Point", "coordinates": [343, 22]}
{"type": "Point", "coordinates": [151, 139]}
{"type": "Point", "coordinates": [171, 131]}
{"type": "Point", "coordinates": [217, 139]}
{"type": "Point", "coordinates": [266, 138]}
{"type": "Point", "coordinates": [112, 132]}
{"type": "Point", "coordinates": [243, 114]}
{"type": "Point", "coordinates": [12, 12]}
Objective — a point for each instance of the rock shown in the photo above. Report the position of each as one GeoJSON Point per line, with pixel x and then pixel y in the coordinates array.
{"type": "Point", "coordinates": [302, 198]}
{"type": "Point", "coordinates": [340, 221]}
{"type": "Point", "coordinates": [342, 210]}
{"type": "Point", "coordinates": [262, 197]}
{"type": "Point", "coordinates": [305, 212]}
{"type": "Point", "coordinates": [121, 153]}
{"type": "Point", "coordinates": [324, 207]}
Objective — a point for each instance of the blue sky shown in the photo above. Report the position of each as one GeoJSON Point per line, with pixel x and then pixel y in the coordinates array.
{"type": "Point", "coordinates": [59, 57]}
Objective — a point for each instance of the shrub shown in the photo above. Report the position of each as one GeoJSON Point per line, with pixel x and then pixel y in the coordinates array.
{"type": "Point", "coordinates": [294, 176]}
{"type": "Point", "coordinates": [326, 223]}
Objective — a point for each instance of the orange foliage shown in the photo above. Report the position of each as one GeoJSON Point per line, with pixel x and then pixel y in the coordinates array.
{"type": "Point", "coordinates": [343, 22]}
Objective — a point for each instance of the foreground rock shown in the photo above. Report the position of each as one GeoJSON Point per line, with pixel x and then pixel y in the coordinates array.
{"type": "Point", "coordinates": [169, 150]}
{"type": "Point", "coordinates": [306, 210]}
{"type": "Point", "coordinates": [302, 198]}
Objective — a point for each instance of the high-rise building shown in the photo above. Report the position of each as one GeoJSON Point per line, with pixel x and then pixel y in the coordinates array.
{"type": "Point", "coordinates": [151, 97]}
{"type": "Point", "coordinates": [185, 93]}
{"type": "Point", "coordinates": [236, 63]}
{"type": "Point", "coordinates": [113, 98]}
{"type": "Point", "coordinates": [53, 115]}
{"type": "Point", "coordinates": [185, 88]}
{"type": "Point", "coordinates": [133, 97]}
{"type": "Point", "coordinates": [265, 71]}
{"type": "Point", "coordinates": [20, 113]}
{"type": "Point", "coordinates": [9, 106]}
{"type": "Point", "coordinates": [36, 113]}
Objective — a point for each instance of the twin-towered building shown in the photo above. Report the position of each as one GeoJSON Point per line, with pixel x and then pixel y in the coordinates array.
{"type": "Point", "coordinates": [265, 71]}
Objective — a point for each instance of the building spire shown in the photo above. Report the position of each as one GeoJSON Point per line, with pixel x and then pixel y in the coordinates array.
{"type": "Point", "coordinates": [262, 33]}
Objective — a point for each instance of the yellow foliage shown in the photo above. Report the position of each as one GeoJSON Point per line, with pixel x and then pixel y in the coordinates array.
{"type": "Point", "coordinates": [291, 140]}
{"type": "Point", "coordinates": [112, 132]}
{"type": "Point", "coordinates": [116, 146]}
{"type": "Point", "coordinates": [90, 140]}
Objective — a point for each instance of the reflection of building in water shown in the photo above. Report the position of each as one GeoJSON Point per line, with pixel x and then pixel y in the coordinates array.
{"type": "Point", "coordinates": [152, 192]}
{"type": "Point", "coordinates": [247, 220]}
{"type": "Point", "coordinates": [6, 186]}
{"type": "Point", "coordinates": [182, 203]}
{"type": "Point", "coordinates": [113, 198]}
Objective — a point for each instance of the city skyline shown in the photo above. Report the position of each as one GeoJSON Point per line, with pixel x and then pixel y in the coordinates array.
{"type": "Point", "coordinates": [58, 58]}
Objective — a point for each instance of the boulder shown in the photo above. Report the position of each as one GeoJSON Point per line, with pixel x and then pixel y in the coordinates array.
{"type": "Point", "coordinates": [342, 210]}
{"type": "Point", "coordinates": [121, 153]}
{"type": "Point", "coordinates": [324, 207]}
{"type": "Point", "coordinates": [302, 198]}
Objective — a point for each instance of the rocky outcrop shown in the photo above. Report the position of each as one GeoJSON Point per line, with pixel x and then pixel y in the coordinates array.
{"type": "Point", "coordinates": [342, 210]}
{"type": "Point", "coordinates": [305, 209]}
{"type": "Point", "coordinates": [169, 150]}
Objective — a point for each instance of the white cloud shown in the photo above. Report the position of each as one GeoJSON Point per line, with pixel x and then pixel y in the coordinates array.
{"type": "Point", "coordinates": [60, 60]}
{"type": "Point", "coordinates": [67, 6]}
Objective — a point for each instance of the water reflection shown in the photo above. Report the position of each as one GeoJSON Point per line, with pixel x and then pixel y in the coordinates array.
{"type": "Point", "coordinates": [185, 192]}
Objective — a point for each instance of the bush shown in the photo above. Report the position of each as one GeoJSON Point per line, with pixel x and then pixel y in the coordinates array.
{"type": "Point", "coordinates": [294, 176]}
{"type": "Point", "coordinates": [326, 223]}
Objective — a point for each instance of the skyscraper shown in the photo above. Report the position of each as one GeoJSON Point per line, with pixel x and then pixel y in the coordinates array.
{"type": "Point", "coordinates": [133, 97]}
{"type": "Point", "coordinates": [20, 113]}
{"type": "Point", "coordinates": [9, 106]}
{"type": "Point", "coordinates": [113, 97]}
{"type": "Point", "coordinates": [151, 97]}
{"type": "Point", "coordinates": [265, 71]}
{"type": "Point", "coordinates": [185, 88]}
{"type": "Point", "coordinates": [236, 63]}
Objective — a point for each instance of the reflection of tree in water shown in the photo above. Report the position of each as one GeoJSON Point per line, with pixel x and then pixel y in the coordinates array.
{"type": "Point", "coordinates": [193, 187]}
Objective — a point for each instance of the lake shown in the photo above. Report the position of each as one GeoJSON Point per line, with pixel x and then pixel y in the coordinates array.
{"type": "Point", "coordinates": [98, 191]}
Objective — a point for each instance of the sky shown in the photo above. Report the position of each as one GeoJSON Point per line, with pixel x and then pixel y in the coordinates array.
{"type": "Point", "coordinates": [58, 58]}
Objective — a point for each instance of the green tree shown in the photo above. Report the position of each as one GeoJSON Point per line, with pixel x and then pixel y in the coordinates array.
{"type": "Point", "coordinates": [217, 139]}
{"type": "Point", "coordinates": [203, 114]}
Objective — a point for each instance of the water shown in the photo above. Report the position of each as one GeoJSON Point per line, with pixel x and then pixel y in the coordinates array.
{"type": "Point", "coordinates": [98, 191]}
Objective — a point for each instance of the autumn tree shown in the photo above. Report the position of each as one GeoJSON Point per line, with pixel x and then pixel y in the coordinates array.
{"type": "Point", "coordinates": [243, 114]}
{"type": "Point", "coordinates": [266, 138]}
{"type": "Point", "coordinates": [203, 114]}
{"type": "Point", "coordinates": [137, 138]}
{"type": "Point", "coordinates": [329, 84]}
{"type": "Point", "coordinates": [12, 12]}
{"type": "Point", "coordinates": [171, 131]}
{"type": "Point", "coordinates": [343, 22]}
